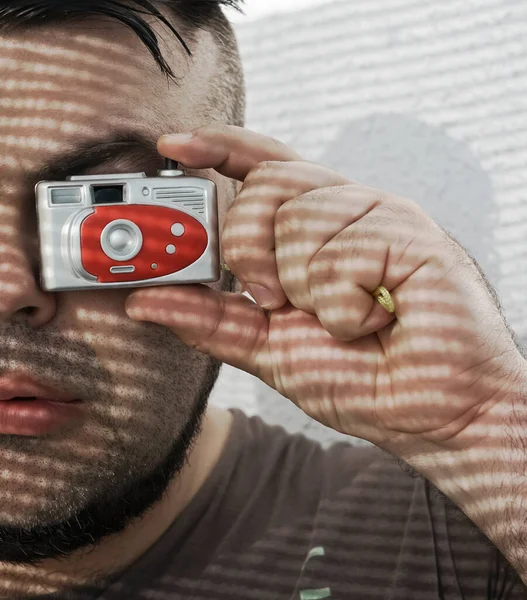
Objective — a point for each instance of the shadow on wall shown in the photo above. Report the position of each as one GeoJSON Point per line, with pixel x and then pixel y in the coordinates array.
{"type": "Point", "coordinates": [402, 155]}
{"type": "Point", "coordinates": [405, 156]}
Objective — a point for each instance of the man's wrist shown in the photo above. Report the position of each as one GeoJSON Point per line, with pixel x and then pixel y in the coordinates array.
{"type": "Point", "coordinates": [486, 474]}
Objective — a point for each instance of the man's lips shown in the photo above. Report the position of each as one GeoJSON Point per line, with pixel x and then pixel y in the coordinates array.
{"type": "Point", "coordinates": [23, 386]}
{"type": "Point", "coordinates": [32, 408]}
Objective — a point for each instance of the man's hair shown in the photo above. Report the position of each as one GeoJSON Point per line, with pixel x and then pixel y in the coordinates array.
{"type": "Point", "coordinates": [190, 15]}
{"type": "Point", "coordinates": [208, 14]}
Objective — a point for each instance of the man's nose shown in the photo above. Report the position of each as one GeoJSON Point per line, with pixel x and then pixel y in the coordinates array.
{"type": "Point", "coordinates": [20, 293]}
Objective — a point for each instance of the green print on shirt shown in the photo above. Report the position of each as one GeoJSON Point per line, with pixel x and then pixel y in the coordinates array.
{"type": "Point", "coordinates": [315, 594]}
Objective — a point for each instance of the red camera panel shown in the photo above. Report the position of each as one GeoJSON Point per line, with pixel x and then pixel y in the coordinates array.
{"type": "Point", "coordinates": [152, 260]}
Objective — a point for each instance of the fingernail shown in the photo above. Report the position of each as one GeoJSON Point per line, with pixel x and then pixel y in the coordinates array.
{"type": "Point", "coordinates": [177, 138]}
{"type": "Point", "coordinates": [132, 311]}
{"type": "Point", "coordinates": [261, 294]}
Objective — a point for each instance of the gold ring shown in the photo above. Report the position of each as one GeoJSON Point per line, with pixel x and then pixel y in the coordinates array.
{"type": "Point", "coordinates": [225, 268]}
{"type": "Point", "coordinates": [384, 298]}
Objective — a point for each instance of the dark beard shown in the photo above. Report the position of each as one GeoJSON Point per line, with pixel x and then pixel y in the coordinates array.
{"type": "Point", "coordinates": [107, 514]}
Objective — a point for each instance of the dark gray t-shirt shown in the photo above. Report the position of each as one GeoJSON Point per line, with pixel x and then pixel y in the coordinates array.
{"type": "Point", "coordinates": [281, 518]}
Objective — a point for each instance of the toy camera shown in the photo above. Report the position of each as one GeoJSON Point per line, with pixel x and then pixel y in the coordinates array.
{"type": "Point", "coordinates": [111, 231]}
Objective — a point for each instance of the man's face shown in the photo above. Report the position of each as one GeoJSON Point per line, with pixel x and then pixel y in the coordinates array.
{"type": "Point", "coordinates": [139, 386]}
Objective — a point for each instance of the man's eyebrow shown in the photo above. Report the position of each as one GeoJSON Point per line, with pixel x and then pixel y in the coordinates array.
{"type": "Point", "coordinates": [89, 154]}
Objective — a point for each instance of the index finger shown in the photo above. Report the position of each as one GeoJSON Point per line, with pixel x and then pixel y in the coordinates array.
{"type": "Point", "coordinates": [232, 151]}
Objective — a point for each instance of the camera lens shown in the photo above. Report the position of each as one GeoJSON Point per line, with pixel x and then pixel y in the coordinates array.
{"type": "Point", "coordinates": [108, 194]}
{"type": "Point", "coordinates": [121, 240]}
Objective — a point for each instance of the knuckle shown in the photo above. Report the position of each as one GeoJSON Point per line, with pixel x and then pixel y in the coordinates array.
{"type": "Point", "coordinates": [288, 220]}
{"type": "Point", "coordinates": [243, 236]}
{"type": "Point", "coordinates": [400, 207]}
{"type": "Point", "coordinates": [214, 129]}
{"type": "Point", "coordinates": [373, 196]}
{"type": "Point", "coordinates": [278, 145]}
{"type": "Point", "coordinates": [406, 214]}
{"type": "Point", "coordinates": [265, 172]}
{"type": "Point", "coordinates": [236, 255]}
{"type": "Point", "coordinates": [278, 148]}
{"type": "Point", "coordinates": [244, 256]}
{"type": "Point", "coordinates": [323, 269]}
{"type": "Point", "coordinates": [295, 217]}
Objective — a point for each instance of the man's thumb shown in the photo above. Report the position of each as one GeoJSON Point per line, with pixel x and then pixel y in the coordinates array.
{"type": "Point", "coordinates": [227, 326]}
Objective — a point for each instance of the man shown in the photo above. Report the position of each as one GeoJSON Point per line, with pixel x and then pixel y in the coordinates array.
{"type": "Point", "coordinates": [117, 480]}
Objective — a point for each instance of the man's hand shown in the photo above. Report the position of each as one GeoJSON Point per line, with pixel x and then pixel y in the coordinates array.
{"type": "Point", "coordinates": [311, 247]}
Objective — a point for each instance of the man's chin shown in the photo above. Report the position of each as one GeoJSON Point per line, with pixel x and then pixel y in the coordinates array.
{"type": "Point", "coordinates": [73, 499]}
{"type": "Point", "coordinates": [36, 535]}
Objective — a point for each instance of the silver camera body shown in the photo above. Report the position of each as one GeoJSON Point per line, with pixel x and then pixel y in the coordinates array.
{"type": "Point", "coordinates": [118, 231]}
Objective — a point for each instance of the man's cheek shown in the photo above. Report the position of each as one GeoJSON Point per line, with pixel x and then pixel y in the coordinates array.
{"type": "Point", "coordinates": [98, 320]}
{"type": "Point", "coordinates": [13, 252]}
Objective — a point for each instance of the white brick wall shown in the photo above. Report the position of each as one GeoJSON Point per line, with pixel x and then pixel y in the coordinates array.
{"type": "Point", "coordinates": [426, 98]}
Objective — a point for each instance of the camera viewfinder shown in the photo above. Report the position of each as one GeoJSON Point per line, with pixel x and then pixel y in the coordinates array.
{"type": "Point", "coordinates": [108, 194]}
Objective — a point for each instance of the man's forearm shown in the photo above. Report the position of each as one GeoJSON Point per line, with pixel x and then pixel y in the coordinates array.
{"type": "Point", "coordinates": [487, 477]}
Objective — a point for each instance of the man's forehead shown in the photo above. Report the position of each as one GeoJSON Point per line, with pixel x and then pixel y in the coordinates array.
{"type": "Point", "coordinates": [62, 84]}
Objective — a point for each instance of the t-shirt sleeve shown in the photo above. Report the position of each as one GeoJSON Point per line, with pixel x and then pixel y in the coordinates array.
{"type": "Point", "coordinates": [400, 538]}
